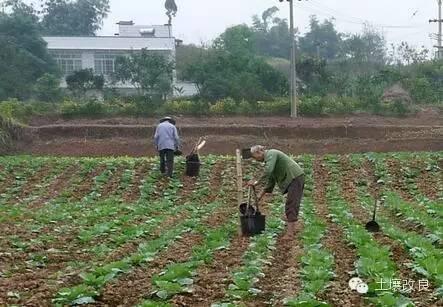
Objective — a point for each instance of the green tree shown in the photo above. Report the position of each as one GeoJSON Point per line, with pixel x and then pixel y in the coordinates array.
{"type": "Point", "coordinates": [272, 35]}
{"type": "Point", "coordinates": [23, 56]}
{"type": "Point", "coordinates": [221, 74]}
{"type": "Point", "coordinates": [237, 40]}
{"type": "Point", "coordinates": [188, 55]}
{"type": "Point", "coordinates": [368, 47]}
{"type": "Point", "coordinates": [149, 72]}
{"type": "Point", "coordinates": [81, 81]}
{"type": "Point", "coordinates": [404, 54]}
{"type": "Point", "coordinates": [322, 40]}
{"type": "Point", "coordinates": [70, 18]}
{"type": "Point", "coordinates": [47, 88]}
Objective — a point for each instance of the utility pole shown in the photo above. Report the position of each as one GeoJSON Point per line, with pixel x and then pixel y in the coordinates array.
{"type": "Point", "coordinates": [293, 62]}
{"type": "Point", "coordinates": [440, 34]}
{"type": "Point", "coordinates": [293, 85]}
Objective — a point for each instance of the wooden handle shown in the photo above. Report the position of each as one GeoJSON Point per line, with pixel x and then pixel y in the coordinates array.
{"type": "Point", "coordinates": [239, 177]}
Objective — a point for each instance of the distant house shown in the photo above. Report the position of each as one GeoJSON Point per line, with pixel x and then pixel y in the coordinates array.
{"type": "Point", "coordinates": [100, 52]}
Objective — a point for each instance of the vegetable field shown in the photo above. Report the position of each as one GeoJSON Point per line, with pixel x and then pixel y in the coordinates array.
{"type": "Point", "coordinates": [111, 231]}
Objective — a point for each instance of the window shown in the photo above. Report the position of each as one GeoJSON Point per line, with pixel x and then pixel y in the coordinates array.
{"type": "Point", "coordinates": [68, 61]}
{"type": "Point", "coordinates": [104, 63]}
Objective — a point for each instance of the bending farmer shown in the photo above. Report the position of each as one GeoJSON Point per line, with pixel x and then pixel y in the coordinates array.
{"type": "Point", "coordinates": [167, 141]}
{"type": "Point", "coordinates": [280, 169]}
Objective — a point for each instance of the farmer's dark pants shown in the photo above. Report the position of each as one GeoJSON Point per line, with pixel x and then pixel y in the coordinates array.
{"type": "Point", "coordinates": [167, 162]}
{"type": "Point", "coordinates": [294, 197]}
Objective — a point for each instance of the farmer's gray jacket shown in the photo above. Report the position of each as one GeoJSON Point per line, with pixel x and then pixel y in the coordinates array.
{"type": "Point", "coordinates": [166, 136]}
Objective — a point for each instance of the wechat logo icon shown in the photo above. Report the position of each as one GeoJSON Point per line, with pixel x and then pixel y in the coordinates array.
{"type": "Point", "coordinates": [358, 285]}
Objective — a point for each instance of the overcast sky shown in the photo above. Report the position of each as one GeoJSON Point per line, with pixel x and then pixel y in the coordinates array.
{"type": "Point", "coordinates": [202, 20]}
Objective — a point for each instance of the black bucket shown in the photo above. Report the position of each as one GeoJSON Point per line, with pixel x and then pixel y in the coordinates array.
{"type": "Point", "coordinates": [246, 153]}
{"type": "Point", "coordinates": [252, 225]}
{"type": "Point", "coordinates": [192, 165]}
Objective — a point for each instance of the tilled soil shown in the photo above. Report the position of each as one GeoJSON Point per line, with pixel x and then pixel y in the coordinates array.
{"type": "Point", "coordinates": [133, 287]}
{"type": "Point", "coordinates": [399, 252]}
{"type": "Point", "coordinates": [40, 284]}
{"type": "Point", "coordinates": [111, 187]}
{"type": "Point", "coordinates": [32, 183]}
{"type": "Point", "coordinates": [338, 293]}
{"type": "Point", "coordinates": [281, 278]}
{"type": "Point", "coordinates": [133, 193]}
{"type": "Point", "coordinates": [428, 184]}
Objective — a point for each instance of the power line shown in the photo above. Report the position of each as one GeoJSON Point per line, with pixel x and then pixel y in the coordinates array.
{"type": "Point", "coordinates": [325, 10]}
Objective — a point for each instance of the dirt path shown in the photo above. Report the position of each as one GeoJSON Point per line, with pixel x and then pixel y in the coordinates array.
{"type": "Point", "coordinates": [339, 293]}
{"type": "Point", "coordinates": [281, 278]}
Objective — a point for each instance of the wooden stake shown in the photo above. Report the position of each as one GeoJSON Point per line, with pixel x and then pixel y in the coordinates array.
{"type": "Point", "coordinates": [239, 178]}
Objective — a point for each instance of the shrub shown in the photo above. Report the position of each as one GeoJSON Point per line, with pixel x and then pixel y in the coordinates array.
{"type": "Point", "coordinates": [224, 106]}
{"type": "Point", "coordinates": [339, 105]}
{"type": "Point", "coordinates": [47, 88]}
{"type": "Point", "coordinates": [14, 109]}
{"type": "Point", "coordinates": [177, 107]}
{"type": "Point", "coordinates": [280, 106]}
{"type": "Point", "coordinates": [421, 90]}
{"type": "Point", "coordinates": [91, 108]}
{"type": "Point", "coordinates": [245, 107]}
{"type": "Point", "coordinates": [311, 106]}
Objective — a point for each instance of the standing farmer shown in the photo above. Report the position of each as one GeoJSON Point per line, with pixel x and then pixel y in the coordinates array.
{"type": "Point", "coordinates": [167, 141]}
{"type": "Point", "coordinates": [280, 169]}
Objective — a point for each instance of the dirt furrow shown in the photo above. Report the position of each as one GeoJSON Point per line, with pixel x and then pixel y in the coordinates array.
{"type": "Point", "coordinates": [61, 182]}
{"type": "Point", "coordinates": [32, 183]}
{"type": "Point", "coordinates": [36, 283]}
{"type": "Point", "coordinates": [398, 184]}
{"type": "Point", "coordinates": [111, 187]}
{"type": "Point", "coordinates": [87, 184]}
{"type": "Point", "coordinates": [9, 179]}
{"type": "Point", "coordinates": [281, 278]}
{"type": "Point", "coordinates": [133, 287]}
{"type": "Point", "coordinates": [427, 181]}
{"type": "Point", "coordinates": [213, 279]}
{"type": "Point", "coordinates": [399, 253]}
{"type": "Point", "coordinates": [339, 293]}
{"type": "Point", "coordinates": [400, 187]}
{"type": "Point", "coordinates": [133, 193]}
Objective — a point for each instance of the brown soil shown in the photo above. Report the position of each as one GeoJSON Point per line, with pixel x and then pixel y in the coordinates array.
{"type": "Point", "coordinates": [428, 184]}
{"type": "Point", "coordinates": [111, 187]}
{"type": "Point", "coordinates": [339, 293]}
{"type": "Point", "coordinates": [62, 182]}
{"type": "Point", "coordinates": [129, 136]}
{"type": "Point", "coordinates": [427, 181]}
{"type": "Point", "coordinates": [11, 228]}
{"type": "Point", "coordinates": [40, 285]}
{"type": "Point", "coordinates": [86, 185]}
{"type": "Point", "coordinates": [30, 185]}
{"type": "Point", "coordinates": [422, 119]}
{"type": "Point", "coordinates": [398, 183]}
{"type": "Point", "coordinates": [133, 193]}
{"type": "Point", "coordinates": [281, 278]}
{"type": "Point", "coordinates": [227, 145]}
{"type": "Point", "coordinates": [213, 279]}
{"type": "Point", "coordinates": [399, 253]}
{"type": "Point", "coordinates": [136, 285]}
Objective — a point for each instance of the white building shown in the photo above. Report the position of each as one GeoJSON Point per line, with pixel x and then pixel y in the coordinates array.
{"type": "Point", "coordinates": [99, 52]}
